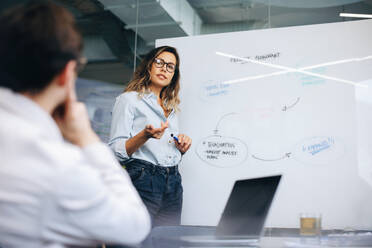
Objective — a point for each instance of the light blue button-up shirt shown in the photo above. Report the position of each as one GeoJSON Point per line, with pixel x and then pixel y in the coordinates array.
{"type": "Point", "coordinates": [130, 115]}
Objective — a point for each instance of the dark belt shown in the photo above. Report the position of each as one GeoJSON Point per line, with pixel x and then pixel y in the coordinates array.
{"type": "Point", "coordinates": [135, 162]}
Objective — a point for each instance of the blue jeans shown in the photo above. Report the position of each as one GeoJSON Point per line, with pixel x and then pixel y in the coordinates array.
{"type": "Point", "coordinates": [160, 189]}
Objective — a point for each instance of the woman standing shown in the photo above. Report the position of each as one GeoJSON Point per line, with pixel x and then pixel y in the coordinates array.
{"type": "Point", "coordinates": [145, 136]}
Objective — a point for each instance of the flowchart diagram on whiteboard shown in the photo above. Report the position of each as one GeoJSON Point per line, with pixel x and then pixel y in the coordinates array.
{"type": "Point", "coordinates": [276, 101]}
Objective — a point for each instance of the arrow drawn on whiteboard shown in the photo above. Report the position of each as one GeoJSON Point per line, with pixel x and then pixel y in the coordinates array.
{"type": "Point", "coordinates": [218, 123]}
{"type": "Point", "coordinates": [287, 155]}
{"type": "Point", "coordinates": [285, 108]}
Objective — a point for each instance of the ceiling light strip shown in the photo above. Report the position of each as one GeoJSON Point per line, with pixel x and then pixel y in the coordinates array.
{"type": "Point", "coordinates": [336, 62]}
{"type": "Point", "coordinates": [285, 70]}
{"type": "Point", "coordinates": [355, 15]}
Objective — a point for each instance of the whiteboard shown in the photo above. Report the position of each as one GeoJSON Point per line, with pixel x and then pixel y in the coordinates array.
{"type": "Point", "coordinates": [264, 102]}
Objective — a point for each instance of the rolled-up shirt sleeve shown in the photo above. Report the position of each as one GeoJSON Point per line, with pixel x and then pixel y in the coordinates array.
{"type": "Point", "coordinates": [121, 127]}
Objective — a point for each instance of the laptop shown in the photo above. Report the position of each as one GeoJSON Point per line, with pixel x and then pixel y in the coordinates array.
{"type": "Point", "coordinates": [242, 221]}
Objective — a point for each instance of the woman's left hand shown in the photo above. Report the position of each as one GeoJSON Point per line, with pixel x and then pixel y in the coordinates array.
{"type": "Point", "coordinates": [183, 144]}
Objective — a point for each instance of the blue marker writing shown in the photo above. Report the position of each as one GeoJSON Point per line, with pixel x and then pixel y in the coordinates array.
{"type": "Point", "coordinates": [174, 137]}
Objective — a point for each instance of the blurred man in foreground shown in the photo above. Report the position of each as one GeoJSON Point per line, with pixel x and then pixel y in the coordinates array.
{"type": "Point", "coordinates": [59, 185]}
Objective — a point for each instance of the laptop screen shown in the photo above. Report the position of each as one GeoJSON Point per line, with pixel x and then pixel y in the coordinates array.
{"type": "Point", "coordinates": [247, 207]}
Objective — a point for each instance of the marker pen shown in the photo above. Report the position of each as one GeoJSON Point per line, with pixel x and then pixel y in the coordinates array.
{"type": "Point", "coordinates": [175, 138]}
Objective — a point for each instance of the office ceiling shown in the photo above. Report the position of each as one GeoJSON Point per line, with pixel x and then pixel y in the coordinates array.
{"type": "Point", "coordinates": [156, 19]}
{"type": "Point", "coordinates": [109, 26]}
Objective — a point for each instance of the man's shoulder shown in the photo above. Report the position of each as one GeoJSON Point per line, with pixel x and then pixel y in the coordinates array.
{"type": "Point", "coordinates": [39, 161]}
{"type": "Point", "coordinates": [15, 127]}
{"type": "Point", "coordinates": [54, 153]}
{"type": "Point", "coordinates": [30, 142]}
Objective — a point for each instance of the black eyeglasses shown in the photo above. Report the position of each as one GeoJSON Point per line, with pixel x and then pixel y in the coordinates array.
{"type": "Point", "coordinates": [159, 63]}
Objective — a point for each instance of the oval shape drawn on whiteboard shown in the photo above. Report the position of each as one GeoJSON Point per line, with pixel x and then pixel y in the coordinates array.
{"type": "Point", "coordinates": [222, 151]}
{"type": "Point", "coordinates": [318, 150]}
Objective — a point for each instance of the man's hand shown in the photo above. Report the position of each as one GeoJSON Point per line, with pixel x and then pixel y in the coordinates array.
{"type": "Point", "coordinates": [184, 142]}
{"type": "Point", "coordinates": [74, 122]}
{"type": "Point", "coordinates": [156, 133]}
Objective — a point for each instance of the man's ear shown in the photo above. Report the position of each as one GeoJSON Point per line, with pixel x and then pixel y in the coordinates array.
{"type": "Point", "coordinates": [68, 74]}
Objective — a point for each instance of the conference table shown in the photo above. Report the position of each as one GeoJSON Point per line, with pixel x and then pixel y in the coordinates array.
{"type": "Point", "coordinates": [171, 237]}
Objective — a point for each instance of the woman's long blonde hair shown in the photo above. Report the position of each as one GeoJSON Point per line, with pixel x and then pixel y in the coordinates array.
{"type": "Point", "coordinates": [141, 79]}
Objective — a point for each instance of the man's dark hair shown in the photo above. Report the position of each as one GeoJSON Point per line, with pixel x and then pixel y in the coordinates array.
{"type": "Point", "coordinates": [37, 40]}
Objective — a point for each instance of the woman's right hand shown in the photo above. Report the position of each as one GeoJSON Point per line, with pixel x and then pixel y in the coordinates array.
{"type": "Point", "coordinates": [134, 143]}
{"type": "Point", "coordinates": [156, 133]}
